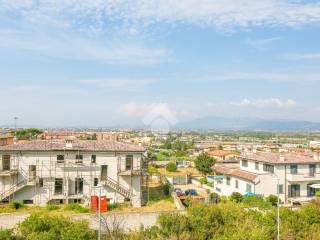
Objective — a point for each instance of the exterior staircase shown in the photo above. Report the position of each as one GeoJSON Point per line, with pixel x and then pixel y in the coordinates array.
{"type": "Point", "coordinates": [13, 189]}
{"type": "Point", "coordinates": [117, 187]}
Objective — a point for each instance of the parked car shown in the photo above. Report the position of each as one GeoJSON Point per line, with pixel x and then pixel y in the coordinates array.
{"type": "Point", "coordinates": [178, 191]}
{"type": "Point", "coordinates": [191, 192]}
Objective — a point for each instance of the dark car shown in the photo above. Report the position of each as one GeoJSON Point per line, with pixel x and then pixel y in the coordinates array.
{"type": "Point", "coordinates": [191, 192]}
{"type": "Point", "coordinates": [178, 191]}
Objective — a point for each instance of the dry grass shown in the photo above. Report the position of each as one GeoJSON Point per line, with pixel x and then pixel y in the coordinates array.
{"type": "Point", "coordinates": [180, 172]}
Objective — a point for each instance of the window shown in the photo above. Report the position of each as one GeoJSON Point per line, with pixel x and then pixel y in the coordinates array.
{"type": "Point", "coordinates": [237, 184]}
{"type": "Point", "coordinates": [248, 188]}
{"type": "Point", "coordinates": [294, 190]}
{"type": "Point", "coordinates": [58, 186]}
{"type": "Point", "coordinates": [78, 186]}
{"type": "Point", "coordinates": [60, 158]}
{"type": "Point", "coordinates": [6, 162]}
{"type": "Point", "coordinates": [79, 158]}
{"type": "Point", "coordinates": [294, 169]}
{"type": "Point", "coordinates": [93, 158]}
{"type": "Point", "coordinates": [244, 163]}
{"type": "Point", "coordinates": [104, 172]}
{"type": "Point", "coordinates": [312, 170]}
{"type": "Point", "coordinates": [129, 161]}
{"type": "Point", "coordinates": [40, 182]}
{"type": "Point", "coordinates": [280, 189]}
{"type": "Point", "coordinates": [268, 168]}
{"type": "Point", "coordinates": [256, 165]}
{"type": "Point", "coordinates": [228, 180]}
{"type": "Point", "coordinates": [95, 182]}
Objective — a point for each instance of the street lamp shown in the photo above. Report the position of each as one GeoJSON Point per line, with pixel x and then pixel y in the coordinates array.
{"type": "Point", "coordinates": [278, 207]}
{"type": "Point", "coordinates": [99, 211]}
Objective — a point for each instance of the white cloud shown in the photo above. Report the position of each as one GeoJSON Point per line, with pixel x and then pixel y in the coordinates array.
{"type": "Point", "coordinates": [222, 14]}
{"type": "Point", "coordinates": [301, 56]}
{"type": "Point", "coordinates": [118, 84]}
{"type": "Point", "coordinates": [80, 48]}
{"type": "Point", "coordinates": [261, 43]}
{"type": "Point", "coordinates": [288, 76]}
{"type": "Point", "coordinates": [265, 103]}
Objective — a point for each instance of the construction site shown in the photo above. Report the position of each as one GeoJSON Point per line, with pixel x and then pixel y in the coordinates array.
{"type": "Point", "coordinates": [73, 171]}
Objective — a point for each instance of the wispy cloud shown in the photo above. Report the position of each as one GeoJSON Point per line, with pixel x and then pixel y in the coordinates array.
{"type": "Point", "coordinates": [118, 84]}
{"type": "Point", "coordinates": [265, 102]}
{"type": "Point", "coordinates": [301, 56]}
{"type": "Point", "coordinates": [287, 76]}
{"type": "Point", "coordinates": [261, 44]}
{"type": "Point", "coordinates": [81, 48]}
{"type": "Point", "coordinates": [222, 14]}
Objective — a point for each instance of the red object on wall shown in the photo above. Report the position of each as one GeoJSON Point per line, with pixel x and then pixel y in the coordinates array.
{"type": "Point", "coordinates": [103, 204]}
{"type": "Point", "coordinates": [94, 203]}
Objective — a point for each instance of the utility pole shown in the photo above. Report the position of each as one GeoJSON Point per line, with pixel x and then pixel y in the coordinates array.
{"type": "Point", "coordinates": [15, 123]}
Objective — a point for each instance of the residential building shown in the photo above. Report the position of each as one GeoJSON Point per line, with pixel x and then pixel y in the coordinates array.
{"type": "Point", "coordinates": [258, 173]}
{"type": "Point", "coordinates": [6, 139]}
{"type": "Point", "coordinates": [64, 171]}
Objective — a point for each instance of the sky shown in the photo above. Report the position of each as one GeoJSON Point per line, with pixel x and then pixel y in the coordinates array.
{"type": "Point", "coordinates": [113, 62]}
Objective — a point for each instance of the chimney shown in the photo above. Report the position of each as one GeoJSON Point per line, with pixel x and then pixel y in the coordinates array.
{"type": "Point", "coordinates": [69, 143]}
{"type": "Point", "coordinates": [282, 158]}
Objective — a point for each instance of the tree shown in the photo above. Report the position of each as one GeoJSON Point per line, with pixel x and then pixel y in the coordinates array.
{"type": "Point", "coordinates": [204, 163]}
{"type": "Point", "coordinates": [171, 167]}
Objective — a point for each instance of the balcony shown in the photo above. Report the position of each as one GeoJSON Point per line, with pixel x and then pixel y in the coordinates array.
{"type": "Point", "coordinates": [7, 171]}
{"type": "Point", "coordinates": [301, 177]}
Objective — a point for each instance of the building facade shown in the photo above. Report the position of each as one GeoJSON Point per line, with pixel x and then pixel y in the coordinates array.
{"type": "Point", "coordinates": [64, 171]}
{"type": "Point", "coordinates": [296, 176]}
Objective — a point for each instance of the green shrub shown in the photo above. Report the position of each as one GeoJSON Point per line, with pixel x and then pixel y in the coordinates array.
{"type": "Point", "coordinates": [113, 206]}
{"type": "Point", "coordinates": [17, 205]}
{"type": "Point", "coordinates": [214, 198]}
{"type": "Point", "coordinates": [171, 167]}
{"type": "Point", "coordinates": [166, 189]}
{"type": "Point", "coordinates": [203, 180]}
{"type": "Point", "coordinates": [76, 207]}
{"type": "Point", "coordinates": [318, 194]}
{"type": "Point", "coordinates": [272, 199]}
{"type": "Point", "coordinates": [52, 207]}
{"type": "Point", "coordinates": [47, 227]}
{"type": "Point", "coordinates": [236, 197]}
{"type": "Point", "coordinates": [6, 235]}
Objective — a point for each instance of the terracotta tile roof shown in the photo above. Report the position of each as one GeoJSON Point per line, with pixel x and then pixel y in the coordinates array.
{"type": "Point", "coordinates": [219, 153]}
{"type": "Point", "coordinates": [282, 158]}
{"type": "Point", "coordinates": [46, 145]}
{"type": "Point", "coordinates": [235, 171]}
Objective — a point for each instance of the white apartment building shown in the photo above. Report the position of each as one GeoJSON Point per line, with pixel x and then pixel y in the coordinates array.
{"type": "Point", "coordinates": [64, 171]}
{"type": "Point", "coordinates": [258, 173]}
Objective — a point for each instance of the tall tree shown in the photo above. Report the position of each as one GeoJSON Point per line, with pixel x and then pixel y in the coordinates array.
{"type": "Point", "coordinates": [204, 163]}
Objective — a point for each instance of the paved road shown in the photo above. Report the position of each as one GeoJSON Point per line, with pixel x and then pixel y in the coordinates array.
{"type": "Point", "coordinates": [126, 221]}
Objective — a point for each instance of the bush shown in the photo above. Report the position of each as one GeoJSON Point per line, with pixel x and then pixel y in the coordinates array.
{"type": "Point", "coordinates": [273, 200]}
{"type": "Point", "coordinates": [46, 227]}
{"type": "Point", "coordinates": [52, 207]}
{"type": "Point", "coordinates": [17, 205]}
{"type": "Point", "coordinates": [214, 198]}
{"type": "Point", "coordinates": [203, 180]}
{"type": "Point", "coordinates": [171, 167]}
{"type": "Point", "coordinates": [6, 235]}
{"type": "Point", "coordinates": [166, 189]}
{"type": "Point", "coordinates": [113, 206]}
{"type": "Point", "coordinates": [236, 197]}
{"type": "Point", "coordinates": [318, 194]}
{"type": "Point", "coordinates": [76, 208]}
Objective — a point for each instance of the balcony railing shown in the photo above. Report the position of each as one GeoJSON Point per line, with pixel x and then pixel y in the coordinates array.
{"type": "Point", "coordinates": [303, 177]}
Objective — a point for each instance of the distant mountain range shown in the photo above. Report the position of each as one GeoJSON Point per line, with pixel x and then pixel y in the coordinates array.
{"type": "Point", "coordinates": [221, 123]}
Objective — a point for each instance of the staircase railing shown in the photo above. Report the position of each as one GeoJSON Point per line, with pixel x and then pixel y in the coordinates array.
{"type": "Point", "coordinates": [118, 187]}
{"type": "Point", "coordinates": [13, 189]}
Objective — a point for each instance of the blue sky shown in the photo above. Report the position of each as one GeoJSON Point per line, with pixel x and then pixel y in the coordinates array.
{"type": "Point", "coordinates": [102, 63]}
